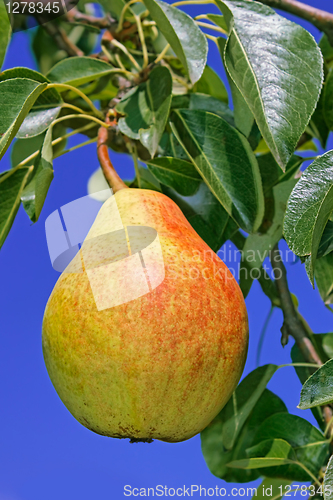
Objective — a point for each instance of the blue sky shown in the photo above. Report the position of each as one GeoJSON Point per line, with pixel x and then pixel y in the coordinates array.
{"type": "Point", "coordinates": [45, 454]}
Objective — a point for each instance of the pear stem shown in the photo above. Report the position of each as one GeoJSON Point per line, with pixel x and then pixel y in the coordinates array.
{"type": "Point", "coordinates": [109, 171]}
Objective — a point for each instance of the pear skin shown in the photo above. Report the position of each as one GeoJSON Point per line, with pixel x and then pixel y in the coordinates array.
{"type": "Point", "coordinates": [145, 337]}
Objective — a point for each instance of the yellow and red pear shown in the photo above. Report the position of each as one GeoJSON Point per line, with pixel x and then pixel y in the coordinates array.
{"type": "Point", "coordinates": [148, 340]}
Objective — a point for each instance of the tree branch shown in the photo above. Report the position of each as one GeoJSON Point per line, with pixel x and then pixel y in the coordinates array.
{"type": "Point", "coordinates": [113, 179]}
{"type": "Point", "coordinates": [319, 18]}
{"type": "Point", "coordinates": [291, 322]}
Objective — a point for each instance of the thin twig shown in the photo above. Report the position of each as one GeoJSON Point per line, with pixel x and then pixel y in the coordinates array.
{"type": "Point", "coordinates": [162, 54]}
{"type": "Point", "coordinates": [211, 27]}
{"type": "Point", "coordinates": [99, 22]}
{"type": "Point", "coordinates": [109, 172]}
{"type": "Point", "coordinates": [79, 92]}
{"type": "Point", "coordinates": [291, 323]}
{"type": "Point", "coordinates": [143, 42]}
{"type": "Point", "coordinates": [319, 18]}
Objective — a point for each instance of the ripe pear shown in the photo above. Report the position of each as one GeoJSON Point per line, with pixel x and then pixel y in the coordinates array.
{"type": "Point", "coordinates": [145, 334]}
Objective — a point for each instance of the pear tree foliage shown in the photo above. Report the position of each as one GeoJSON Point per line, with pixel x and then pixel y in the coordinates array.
{"type": "Point", "coordinates": [230, 152]}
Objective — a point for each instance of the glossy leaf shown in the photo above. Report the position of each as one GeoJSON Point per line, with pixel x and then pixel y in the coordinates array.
{"type": "Point", "coordinates": [309, 444]}
{"type": "Point", "coordinates": [269, 453]}
{"type": "Point", "coordinates": [211, 84]}
{"type": "Point", "coordinates": [243, 116]}
{"type": "Point", "coordinates": [217, 457]}
{"type": "Point", "coordinates": [318, 389]}
{"type": "Point", "coordinates": [34, 194]}
{"type": "Point", "coordinates": [46, 108]}
{"type": "Point", "coordinates": [328, 481]}
{"type": "Point", "coordinates": [17, 96]}
{"type": "Point", "coordinates": [147, 109]}
{"type": "Point", "coordinates": [11, 186]}
{"type": "Point", "coordinates": [204, 102]}
{"type": "Point", "coordinates": [5, 32]}
{"type": "Point", "coordinates": [76, 71]}
{"type": "Point", "coordinates": [175, 173]}
{"type": "Point", "coordinates": [328, 101]}
{"type": "Point", "coordinates": [275, 64]}
{"type": "Point", "coordinates": [183, 35]}
{"type": "Point", "coordinates": [309, 207]}
{"type": "Point", "coordinates": [225, 161]}
{"type": "Point", "coordinates": [205, 214]}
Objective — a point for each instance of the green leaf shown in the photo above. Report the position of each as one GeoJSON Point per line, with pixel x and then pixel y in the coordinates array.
{"type": "Point", "coordinates": [245, 282]}
{"type": "Point", "coordinates": [115, 7]}
{"type": "Point", "coordinates": [309, 207]}
{"type": "Point", "coordinates": [34, 194]}
{"type": "Point", "coordinates": [244, 118]}
{"type": "Point", "coordinates": [17, 97]}
{"type": "Point", "coordinates": [271, 173]}
{"type": "Point", "coordinates": [258, 245]}
{"type": "Point", "coordinates": [5, 32]}
{"type": "Point", "coordinates": [147, 109]}
{"type": "Point", "coordinates": [225, 161]}
{"type": "Point", "coordinates": [328, 344]}
{"type": "Point", "coordinates": [22, 148]}
{"type": "Point", "coordinates": [217, 457]}
{"type": "Point", "coordinates": [326, 242]}
{"type": "Point", "coordinates": [268, 57]}
{"type": "Point", "coordinates": [304, 373]}
{"type": "Point", "coordinates": [323, 276]}
{"type": "Point", "coordinates": [326, 49]}
{"type": "Point", "coordinates": [147, 180]}
{"type": "Point", "coordinates": [219, 20]}
{"type": "Point", "coordinates": [308, 442]}
{"type": "Point", "coordinates": [243, 401]}
{"type": "Point", "coordinates": [211, 84]}
{"type": "Point", "coordinates": [269, 453]}
{"type": "Point", "coordinates": [76, 71]}
{"type": "Point", "coordinates": [318, 389]}
{"type": "Point", "coordinates": [11, 186]}
{"type": "Point", "coordinates": [328, 480]}
{"type": "Point", "coordinates": [183, 35]}
{"type": "Point", "coordinates": [328, 101]}
{"type": "Point", "coordinates": [204, 102]}
{"type": "Point", "coordinates": [46, 108]}
{"type": "Point", "coordinates": [175, 173]}
{"type": "Point", "coordinates": [317, 126]}
{"type": "Point", "coordinates": [205, 214]}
